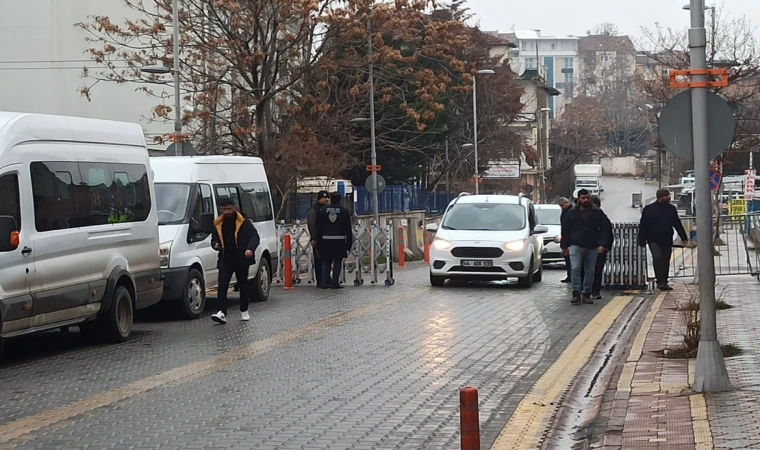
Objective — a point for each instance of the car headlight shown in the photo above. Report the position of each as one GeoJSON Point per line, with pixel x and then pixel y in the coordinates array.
{"type": "Point", "coordinates": [515, 246]}
{"type": "Point", "coordinates": [163, 255]}
{"type": "Point", "coordinates": [441, 244]}
{"type": "Point", "coordinates": [558, 238]}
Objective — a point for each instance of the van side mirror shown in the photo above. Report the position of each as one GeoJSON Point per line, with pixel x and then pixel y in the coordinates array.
{"type": "Point", "coordinates": [9, 237]}
{"type": "Point", "coordinates": [207, 223]}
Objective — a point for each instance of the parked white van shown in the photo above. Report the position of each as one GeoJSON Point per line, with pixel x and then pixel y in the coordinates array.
{"type": "Point", "coordinates": [78, 225]}
{"type": "Point", "coordinates": [188, 189]}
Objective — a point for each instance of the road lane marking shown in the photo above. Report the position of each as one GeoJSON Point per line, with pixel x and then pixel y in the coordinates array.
{"type": "Point", "coordinates": [24, 429]}
{"type": "Point", "coordinates": [533, 415]}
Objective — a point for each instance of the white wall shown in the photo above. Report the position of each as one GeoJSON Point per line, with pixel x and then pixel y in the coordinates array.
{"type": "Point", "coordinates": [41, 61]}
{"type": "Point", "coordinates": [622, 165]}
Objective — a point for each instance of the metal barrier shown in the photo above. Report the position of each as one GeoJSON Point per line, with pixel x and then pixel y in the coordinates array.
{"type": "Point", "coordinates": [626, 266]}
{"type": "Point", "coordinates": [737, 241]}
{"type": "Point", "coordinates": [371, 253]}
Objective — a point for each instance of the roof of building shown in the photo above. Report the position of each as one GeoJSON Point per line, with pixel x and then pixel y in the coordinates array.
{"type": "Point", "coordinates": [606, 43]}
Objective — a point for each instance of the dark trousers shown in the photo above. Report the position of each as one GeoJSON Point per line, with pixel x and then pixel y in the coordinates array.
{"type": "Point", "coordinates": [225, 275]}
{"type": "Point", "coordinates": [599, 273]}
{"type": "Point", "coordinates": [318, 269]}
{"type": "Point", "coordinates": [661, 253]}
{"type": "Point", "coordinates": [336, 264]}
{"type": "Point", "coordinates": [567, 266]}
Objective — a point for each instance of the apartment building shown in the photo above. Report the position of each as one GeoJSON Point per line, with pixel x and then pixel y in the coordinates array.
{"type": "Point", "coordinates": [554, 57]}
{"type": "Point", "coordinates": [42, 58]}
{"type": "Point", "coordinates": [605, 60]}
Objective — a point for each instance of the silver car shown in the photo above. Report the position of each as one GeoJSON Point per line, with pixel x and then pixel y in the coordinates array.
{"type": "Point", "coordinates": [549, 216]}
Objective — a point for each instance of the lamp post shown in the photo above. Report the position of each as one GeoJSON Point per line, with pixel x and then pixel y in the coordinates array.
{"type": "Point", "coordinates": [712, 28]}
{"type": "Point", "coordinates": [165, 70]}
{"type": "Point", "coordinates": [475, 122]}
{"type": "Point", "coordinates": [711, 374]}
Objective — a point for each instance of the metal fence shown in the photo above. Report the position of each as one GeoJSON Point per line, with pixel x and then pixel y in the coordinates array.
{"type": "Point", "coordinates": [737, 240]}
{"type": "Point", "coordinates": [402, 198]}
{"type": "Point", "coordinates": [626, 266]}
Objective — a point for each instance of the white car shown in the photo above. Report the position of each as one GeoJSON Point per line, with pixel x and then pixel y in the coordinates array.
{"type": "Point", "coordinates": [549, 216]}
{"type": "Point", "coordinates": [488, 238]}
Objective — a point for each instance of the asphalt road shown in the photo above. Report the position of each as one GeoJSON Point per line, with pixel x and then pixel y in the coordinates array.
{"type": "Point", "coordinates": [369, 367]}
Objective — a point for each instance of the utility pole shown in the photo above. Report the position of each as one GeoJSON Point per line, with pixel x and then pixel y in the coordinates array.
{"type": "Point", "coordinates": [177, 92]}
{"type": "Point", "coordinates": [711, 374]}
{"type": "Point", "coordinates": [375, 174]}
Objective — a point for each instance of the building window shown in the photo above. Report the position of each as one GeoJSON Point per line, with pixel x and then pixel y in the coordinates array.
{"type": "Point", "coordinates": [554, 45]}
{"type": "Point", "coordinates": [530, 63]}
{"type": "Point", "coordinates": [108, 194]}
{"type": "Point", "coordinates": [604, 57]}
{"type": "Point", "coordinates": [524, 45]}
{"type": "Point", "coordinates": [568, 63]}
{"type": "Point", "coordinates": [666, 72]}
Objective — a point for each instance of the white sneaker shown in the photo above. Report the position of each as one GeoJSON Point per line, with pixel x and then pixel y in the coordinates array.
{"type": "Point", "coordinates": [219, 317]}
{"type": "Point", "coordinates": [244, 316]}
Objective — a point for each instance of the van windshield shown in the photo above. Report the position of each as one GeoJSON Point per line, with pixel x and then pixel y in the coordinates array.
{"type": "Point", "coordinates": [485, 217]}
{"type": "Point", "coordinates": [171, 202]}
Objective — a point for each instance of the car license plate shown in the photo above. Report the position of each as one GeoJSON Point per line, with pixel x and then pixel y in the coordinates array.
{"type": "Point", "coordinates": [476, 263]}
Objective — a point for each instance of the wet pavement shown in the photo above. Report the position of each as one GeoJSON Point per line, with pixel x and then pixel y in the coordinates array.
{"type": "Point", "coordinates": [361, 368]}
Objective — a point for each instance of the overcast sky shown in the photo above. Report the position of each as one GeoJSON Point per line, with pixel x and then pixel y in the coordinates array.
{"type": "Point", "coordinates": [564, 17]}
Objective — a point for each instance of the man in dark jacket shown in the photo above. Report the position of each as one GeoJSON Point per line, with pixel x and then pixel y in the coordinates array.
{"type": "Point", "coordinates": [323, 199]}
{"type": "Point", "coordinates": [656, 229]}
{"type": "Point", "coordinates": [236, 240]}
{"type": "Point", "coordinates": [585, 234]}
{"type": "Point", "coordinates": [601, 259]}
{"type": "Point", "coordinates": [336, 237]}
{"type": "Point", "coordinates": [566, 206]}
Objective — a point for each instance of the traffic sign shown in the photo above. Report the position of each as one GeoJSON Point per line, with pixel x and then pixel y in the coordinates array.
{"type": "Point", "coordinates": [677, 134]}
{"type": "Point", "coordinates": [714, 180]}
{"type": "Point", "coordinates": [370, 184]}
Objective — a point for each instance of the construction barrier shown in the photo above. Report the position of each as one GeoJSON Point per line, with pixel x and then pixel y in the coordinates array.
{"type": "Point", "coordinates": [371, 254]}
{"type": "Point", "coordinates": [626, 266]}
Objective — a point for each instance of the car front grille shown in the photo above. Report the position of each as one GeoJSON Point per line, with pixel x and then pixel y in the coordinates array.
{"type": "Point", "coordinates": [477, 269]}
{"type": "Point", "coordinates": [477, 252]}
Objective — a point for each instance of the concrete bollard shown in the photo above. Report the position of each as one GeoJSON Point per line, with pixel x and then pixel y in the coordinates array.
{"type": "Point", "coordinates": [469, 421]}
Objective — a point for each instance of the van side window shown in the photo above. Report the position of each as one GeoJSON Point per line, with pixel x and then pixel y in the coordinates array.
{"type": "Point", "coordinates": [231, 192]}
{"type": "Point", "coordinates": [55, 188]}
{"type": "Point", "coordinates": [10, 203]}
{"type": "Point", "coordinates": [208, 199]}
{"type": "Point", "coordinates": [72, 195]}
{"type": "Point", "coordinates": [261, 201]}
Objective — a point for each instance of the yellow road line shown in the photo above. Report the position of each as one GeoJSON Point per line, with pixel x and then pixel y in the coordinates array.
{"type": "Point", "coordinates": [533, 415]}
{"type": "Point", "coordinates": [21, 430]}
{"type": "Point", "coordinates": [700, 424]}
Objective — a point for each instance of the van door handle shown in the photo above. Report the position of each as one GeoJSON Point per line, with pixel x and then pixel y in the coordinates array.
{"type": "Point", "coordinates": [26, 251]}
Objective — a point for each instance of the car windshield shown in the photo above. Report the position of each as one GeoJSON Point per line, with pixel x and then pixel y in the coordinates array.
{"type": "Point", "coordinates": [548, 216]}
{"type": "Point", "coordinates": [485, 217]}
{"type": "Point", "coordinates": [171, 202]}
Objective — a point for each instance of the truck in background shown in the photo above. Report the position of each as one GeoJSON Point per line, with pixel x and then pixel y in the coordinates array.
{"type": "Point", "coordinates": [589, 177]}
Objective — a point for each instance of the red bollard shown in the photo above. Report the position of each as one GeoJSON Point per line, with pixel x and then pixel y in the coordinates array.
{"type": "Point", "coordinates": [469, 422]}
{"type": "Point", "coordinates": [288, 263]}
{"type": "Point", "coordinates": [401, 250]}
{"type": "Point", "coordinates": [426, 251]}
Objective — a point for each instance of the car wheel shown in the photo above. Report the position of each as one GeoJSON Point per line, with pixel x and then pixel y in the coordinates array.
{"type": "Point", "coordinates": [538, 276]}
{"type": "Point", "coordinates": [262, 284]}
{"type": "Point", "coordinates": [436, 280]}
{"type": "Point", "coordinates": [193, 301]}
{"type": "Point", "coordinates": [118, 321]}
{"type": "Point", "coordinates": [527, 281]}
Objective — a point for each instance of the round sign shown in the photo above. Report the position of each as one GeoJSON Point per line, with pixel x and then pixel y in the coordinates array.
{"type": "Point", "coordinates": [676, 131]}
{"type": "Point", "coordinates": [370, 183]}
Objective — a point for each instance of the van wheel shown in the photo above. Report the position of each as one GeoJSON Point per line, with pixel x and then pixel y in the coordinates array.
{"type": "Point", "coordinates": [193, 301]}
{"type": "Point", "coordinates": [117, 323]}
{"type": "Point", "coordinates": [262, 284]}
{"type": "Point", "coordinates": [526, 282]}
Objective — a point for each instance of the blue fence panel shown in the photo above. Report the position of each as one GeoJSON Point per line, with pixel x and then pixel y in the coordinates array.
{"type": "Point", "coordinates": [436, 203]}
{"type": "Point", "coordinates": [393, 199]}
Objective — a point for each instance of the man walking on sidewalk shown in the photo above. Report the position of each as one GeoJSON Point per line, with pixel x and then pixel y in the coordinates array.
{"type": "Point", "coordinates": [566, 205]}
{"type": "Point", "coordinates": [336, 237]}
{"type": "Point", "coordinates": [585, 234]}
{"type": "Point", "coordinates": [658, 220]}
{"type": "Point", "coordinates": [323, 199]}
{"type": "Point", "coordinates": [236, 240]}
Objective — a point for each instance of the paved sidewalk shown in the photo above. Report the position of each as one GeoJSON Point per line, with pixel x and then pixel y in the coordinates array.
{"type": "Point", "coordinates": [649, 404]}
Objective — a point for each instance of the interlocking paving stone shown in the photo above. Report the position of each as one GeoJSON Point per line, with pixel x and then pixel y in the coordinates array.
{"type": "Point", "coordinates": [387, 379]}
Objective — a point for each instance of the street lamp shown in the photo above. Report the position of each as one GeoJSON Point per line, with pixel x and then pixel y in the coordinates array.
{"type": "Point", "coordinates": [475, 122]}
{"type": "Point", "coordinates": [165, 70]}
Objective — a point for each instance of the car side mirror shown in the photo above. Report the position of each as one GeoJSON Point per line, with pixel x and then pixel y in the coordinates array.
{"type": "Point", "coordinates": [431, 227]}
{"type": "Point", "coordinates": [207, 223]}
{"type": "Point", "coordinates": [9, 236]}
{"type": "Point", "coordinates": [540, 229]}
